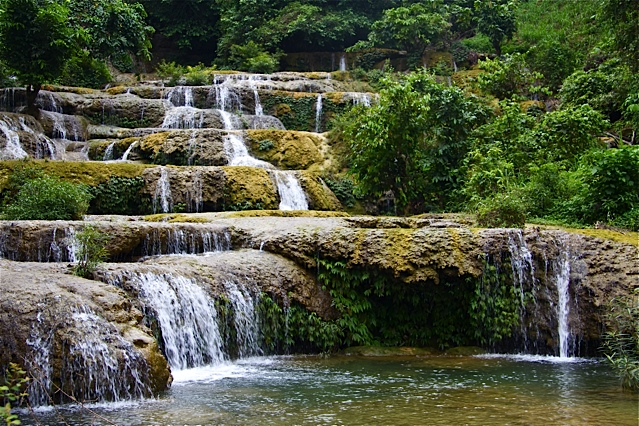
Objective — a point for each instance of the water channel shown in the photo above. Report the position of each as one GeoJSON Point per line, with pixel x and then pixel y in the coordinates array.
{"type": "Point", "coordinates": [340, 390]}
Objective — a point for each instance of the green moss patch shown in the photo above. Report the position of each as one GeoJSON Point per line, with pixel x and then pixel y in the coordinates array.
{"type": "Point", "coordinates": [289, 150]}
{"type": "Point", "coordinates": [249, 188]}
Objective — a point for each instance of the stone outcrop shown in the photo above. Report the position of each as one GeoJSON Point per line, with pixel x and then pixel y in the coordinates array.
{"type": "Point", "coordinates": [52, 321]}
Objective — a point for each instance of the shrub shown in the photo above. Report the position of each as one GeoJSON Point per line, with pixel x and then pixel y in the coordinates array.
{"type": "Point", "coordinates": [510, 77]}
{"type": "Point", "coordinates": [85, 71]}
{"type": "Point", "coordinates": [502, 210]}
{"type": "Point", "coordinates": [91, 251]}
{"type": "Point", "coordinates": [49, 198]}
{"type": "Point", "coordinates": [621, 340]}
{"type": "Point", "coordinates": [170, 71]}
{"type": "Point", "coordinates": [252, 57]}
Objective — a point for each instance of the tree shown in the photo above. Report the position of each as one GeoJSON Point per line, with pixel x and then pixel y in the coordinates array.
{"type": "Point", "coordinates": [412, 28]}
{"type": "Point", "coordinates": [412, 142]}
{"type": "Point", "coordinates": [36, 40]}
{"type": "Point", "coordinates": [111, 28]}
{"type": "Point", "coordinates": [496, 19]}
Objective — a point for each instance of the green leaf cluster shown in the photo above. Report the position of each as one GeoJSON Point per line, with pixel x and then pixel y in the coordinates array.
{"type": "Point", "coordinates": [48, 198]}
{"type": "Point", "coordinates": [12, 391]}
{"type": "Point", "coordinates": [91, 250]}
{"type": "Point", "coordinates": [621, 339]}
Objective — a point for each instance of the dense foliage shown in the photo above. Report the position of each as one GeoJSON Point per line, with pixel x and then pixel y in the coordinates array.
{"type": "Point", "coordinates": [621, 340]}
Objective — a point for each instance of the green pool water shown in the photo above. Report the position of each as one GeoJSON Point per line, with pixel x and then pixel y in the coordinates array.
{"type": "Point", "coordinates": [491, 390]}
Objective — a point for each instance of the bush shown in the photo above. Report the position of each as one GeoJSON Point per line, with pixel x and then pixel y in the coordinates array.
{"type": "Point", "coordinates": [621, 340]}
{"type": "Point", "coordinates": [85, 71]}
{"type": "Point", "coordinates": [91, 251]}
{"type": "Point", "coordinates": [170, 71]}
{"type": "Point", "coordinates": [510, 77]}
{"type": "Point", "coordinates": [502, 211]}
{"type": "Point", "coordinates": [49, 198]}
{"type": "Point", "coordinates": [252, 57]}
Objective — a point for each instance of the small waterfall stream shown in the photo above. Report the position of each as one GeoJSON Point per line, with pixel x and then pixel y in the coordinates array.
{"type": "Point", "coordinates": [292, 196]}
{"type": "Point", "coordinates": [318, 114]}
{"type": "Point", "coordinates": [162, 201]}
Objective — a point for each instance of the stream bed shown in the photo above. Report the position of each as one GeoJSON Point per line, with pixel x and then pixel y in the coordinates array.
{"type": "Point", "coordinates": [290, 390]}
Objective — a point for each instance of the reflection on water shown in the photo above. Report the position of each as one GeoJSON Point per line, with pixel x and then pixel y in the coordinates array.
{"type": "Point", "coordinates": [358, 391]}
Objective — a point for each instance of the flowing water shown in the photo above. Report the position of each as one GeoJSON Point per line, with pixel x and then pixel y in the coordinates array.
{"type": "Point", "coordinates": [364, 391]}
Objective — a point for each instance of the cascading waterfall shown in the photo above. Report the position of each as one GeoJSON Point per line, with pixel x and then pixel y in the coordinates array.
{"type": "Point", "coordinates": [183, 117]}
{"type": "Point", "coordinates": [125, 156]}
{"type": "Point", "coordinates": [258, 105]}
{"type": "Point", "coordinates": [108, 152]}
{"type": "Point", "coordinates": [162, 201]}
{"type": "Point", "coordinates": [563, 266]}
{"type": "Point", "coordinates": [342, 63]}
{"type": "Point", "coordinates": [318, 113]}
{"type": "Point", "coordinates": [194, 197]}
{"type": "Point", "coordinates": [177, 241]}
{"type": "Point", "coordinates": [238, 154]}
{"type": "Point", "coordinates": [292, 196]}
{"type": "Point", "coordinates": [13, 149]}
{"type": "Point", "coordinates": [244, 319]}
{"type": "Point", "coordinates": [186, 315]}
{"type": "Point", "coordinates": [41, 141]}
{"type": "Point", "coordinates": [523, 270]}
{"type": "Point", "coordinates": [91, 369]}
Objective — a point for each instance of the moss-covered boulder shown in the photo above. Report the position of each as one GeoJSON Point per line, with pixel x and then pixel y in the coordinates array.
{"type": "Point", "coordinates": [289, 150]}
{"type": "Point", "coordinates": [319, 196]}
{"type": "Point", "coordinates": [193, 147]}
{"type": "Point", "coordinates": [248, 188]}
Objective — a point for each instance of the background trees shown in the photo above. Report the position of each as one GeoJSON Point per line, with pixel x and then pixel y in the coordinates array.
{"type": "Point", "coordinates": [35, 42]}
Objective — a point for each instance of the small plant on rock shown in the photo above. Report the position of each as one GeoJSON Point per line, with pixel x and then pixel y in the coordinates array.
{"type": "Point", "coordinates": [12, 391]}
{"type": "Point", "coordinates": [91, 251]}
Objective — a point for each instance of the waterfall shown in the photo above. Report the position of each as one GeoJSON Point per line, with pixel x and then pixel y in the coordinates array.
{"type": "Point", "coordinates": [567, 340]}
{"type": "Point", "coordinates": [125, 156]}
{"type": "Point", "coordinates": [183, 117]}
{"type": "Point", "coordinates": [191, 147]}
{"type": "Point", "coordinates": [41, 140]}
{"type": "Point", "coordinates": [13, 149]}
{"type": "Point", "coordinates": [108, 152]}
{"type": "Point", "coordinates": [194, 198]}
{"type": "Point", "coordinates": [245, 320]}
{"type": "Point", "coordinates": [91, 369]}
{"type": "Point", "coordinates": [230, 121]}
{"type": "Point", "coordinates": [292, 196]}
{"type": "Point", "coordinates": [318, 113]}
{"type": "Point", "coordinates": [188, 241]}
{"type": "Point", "coordinates": [238, 154]}
{"type": "Point", "coordinates": [342, 63]}
{"type": "Point", "coordinates": [186, 315]}
{"type": "Point", "coordinates": [48, 102]}
{"type": "Point", "coordinates": [180, 96]}
{"type": "Point", "coordinates": [162, 199]}
{"type": "Point", "coordinates": [226, 99]}
{"type": "Point", "coordinates": [258, 105]}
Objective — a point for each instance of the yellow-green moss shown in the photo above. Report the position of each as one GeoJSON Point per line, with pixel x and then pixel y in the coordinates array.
{"type": "Point", "coordinates": [98, 148]}
{"type": "Point", "coordinates": [154, 143]}
{"type": "Point", "coordinates": [291, 150]}
{"type": "Point", "coordinates": [320, 197]}
{"type": "Point", "coordinates": [247, 187]}
{"type": "Point", "coordinates": [86, 172]}
{"type": "Point", "coordinates": [431, 59]}
{"type": "Point", "coordinates": [117, 90]}
{"type": "Point", "coordinates": [281, 213]}
{"type": "Point", "coordinates": [177, 217]}
{"type": "Point", "coordinates": [625, 237]}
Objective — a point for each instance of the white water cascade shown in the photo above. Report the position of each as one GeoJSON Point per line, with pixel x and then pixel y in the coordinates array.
{"type": "Point", "coordinates": [342, 63]}
{"type": "Point", "coordinates": [41, 141]}
{"type": "Point", "coordinates": [125, 156]}
{"type": "Point", "coordinates": [292, 196]}
{"type": "Point", "coordinates": [244, 320]}
{"type": "Point", "coordinates": [259, 111]}
{"type": "Point", "coordinates": [162, 201]}
{"type": "Point", "coordinates": [12, 149]}
{"type": "Point", "coordinates": [318, 113]}
{"type": "Point", "coordinates": [562, 279]}
{"type": "Point", "coordinates": [188, 241]}
{"type": "Point", "coordinates": [108, 152]}
{"type": "Point", "coordinates": [186, 315]}
{"type": "Point", "coordinates": [92, 369]}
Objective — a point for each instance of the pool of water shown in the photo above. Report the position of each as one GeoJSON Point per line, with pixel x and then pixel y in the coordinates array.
{"type": "Point", "coordinates": [489, 390]}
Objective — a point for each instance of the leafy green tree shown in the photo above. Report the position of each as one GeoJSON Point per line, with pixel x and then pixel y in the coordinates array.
{"type": "Point", "coordinates": [111, 28]}
{"type": "Point", "coordinates": [412, 28]}
{"type": "Point", "coordinates": [253, 58]}
{"type": "Point", "coordinates": [496, 19]}
{"type": "Point", "coordinates": [412, 142]}
{"type": "Point", "coordinates": [36, 41]}
{"type": "Point", "coordinates": [621, 17]}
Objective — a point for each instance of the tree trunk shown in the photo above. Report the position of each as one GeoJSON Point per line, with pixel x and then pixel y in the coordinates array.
{"type": "Point", "coordinates": [32, 94]}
